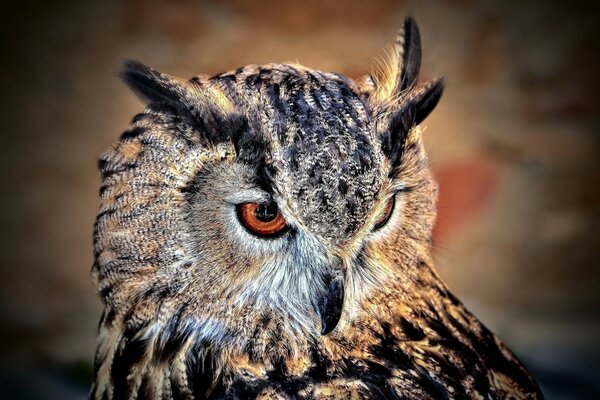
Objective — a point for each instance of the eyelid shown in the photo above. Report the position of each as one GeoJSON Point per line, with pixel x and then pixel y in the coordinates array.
{"type": "Point", "coordinates": [248, 196]}
{"type": "Point", "coordinates": [387, 213]}
{"type": "Point", "coordinates": [402, 189]}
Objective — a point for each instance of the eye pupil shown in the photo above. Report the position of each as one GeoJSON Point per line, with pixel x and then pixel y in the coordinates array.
{"type": "Point", "coordinates": [266, 212]}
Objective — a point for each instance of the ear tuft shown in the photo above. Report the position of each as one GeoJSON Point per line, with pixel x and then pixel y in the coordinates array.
{"type": "Point", "coordinates": [408, 44]}
{"type": "Point", "coordinates": [399, 69]}
{"type": "Point", "coordinates": [197, 101]}
{"type": "Point", "coordinates": [396, 97]}
{"type": "Point", "coordinates": [394, 86]}
{"type": "Point", "coordinates": [424, 98]}
{"type": "Point", "coordinates": [150, 85]}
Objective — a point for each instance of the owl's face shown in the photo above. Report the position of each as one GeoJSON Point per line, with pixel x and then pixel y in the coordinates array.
{"type": "Point", "coordinates": [286, 221]}
{"type": "Point", "coordinates": [270, 198]}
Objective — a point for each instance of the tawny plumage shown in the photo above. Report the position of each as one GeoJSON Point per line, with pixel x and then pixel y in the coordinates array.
{"type": "Point", "coordinates": [266, 233]}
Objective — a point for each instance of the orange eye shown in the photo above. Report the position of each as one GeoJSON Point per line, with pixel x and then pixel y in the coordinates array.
{"type": "Point", "coordinates": [387, 213]}
{"type": "Point", "coordinates": [262, 219]}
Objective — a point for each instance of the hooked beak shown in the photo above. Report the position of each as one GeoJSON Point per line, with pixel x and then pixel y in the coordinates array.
{"type": "Point", "coordinates": [331, 302]}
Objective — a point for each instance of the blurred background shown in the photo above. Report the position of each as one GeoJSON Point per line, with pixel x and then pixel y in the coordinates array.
{"type": "Point", "coordinates": [514, 143]}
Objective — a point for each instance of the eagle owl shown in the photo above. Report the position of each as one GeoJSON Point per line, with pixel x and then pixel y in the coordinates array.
{"type": "Point", "coordinates": [265, 233]}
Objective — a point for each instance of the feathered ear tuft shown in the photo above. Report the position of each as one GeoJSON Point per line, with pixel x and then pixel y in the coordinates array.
{"type": "Point", "coordinates": [197, 101]}
{"type": "Point", "coordinates": [408, 44]}
{"type": "Point", "coordinates": [150, 85]}
{"type": "Point", "coordinates": [397, 99]}
{"type": "Point", "coordinates": [399, 69]}
{"type": "Point", "coordinates": [423, 99]}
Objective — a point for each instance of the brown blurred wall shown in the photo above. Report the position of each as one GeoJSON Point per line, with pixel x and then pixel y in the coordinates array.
{"type": "Point", "coordinates": [514, 143]}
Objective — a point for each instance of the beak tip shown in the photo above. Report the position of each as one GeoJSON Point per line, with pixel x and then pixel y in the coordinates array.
{"type": "Point", "coordinates": [330, 306]}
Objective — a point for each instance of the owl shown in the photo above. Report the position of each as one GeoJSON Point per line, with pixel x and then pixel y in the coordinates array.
{"type": "Point", "coordinates": [265, 233]}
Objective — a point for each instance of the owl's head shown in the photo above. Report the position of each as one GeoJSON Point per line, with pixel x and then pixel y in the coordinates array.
{"type": "Point", "coordinates": [272, 198]}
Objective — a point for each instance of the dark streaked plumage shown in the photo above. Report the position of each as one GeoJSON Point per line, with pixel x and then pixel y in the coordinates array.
{"type": "Point", "coordinates": [342, 303]}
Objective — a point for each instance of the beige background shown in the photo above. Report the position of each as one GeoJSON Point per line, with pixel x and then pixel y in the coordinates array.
{"type": "Point", "coordinates": [514, 143]}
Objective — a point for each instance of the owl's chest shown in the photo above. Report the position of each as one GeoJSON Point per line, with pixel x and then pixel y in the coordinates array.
{"type": "Point", "coordinates": [451, 368]}
{"type": "Point", "coordinates": [383, 373]}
